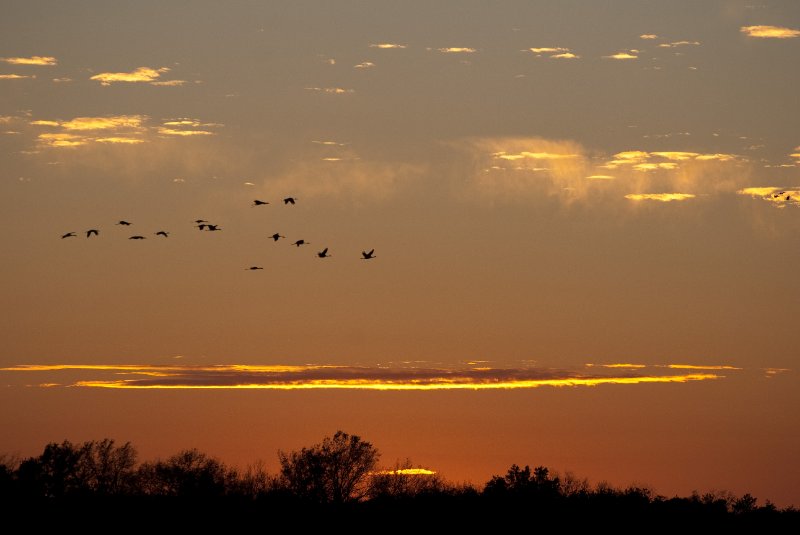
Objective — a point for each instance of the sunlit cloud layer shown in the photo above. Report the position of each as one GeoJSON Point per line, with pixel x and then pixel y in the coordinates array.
{"type": "Point", "coordinates": [387, 45]}
{"type": "Point", "coordinates": [661, 197]}
{"type": "Point", "coordinates": [331, 90]}
{"type": "Point", "coordinates": [770, 32]}
{"type": "Point", "coordinates": [116, 129]}
{"type": "Point", "coordinates": [140, 75]}
{"type": "Point", "coordinates": [778, 197]}
{"type": "Point", "coordinates": [342, 377]}
{"type": "Point", "coordinates": [33, 60]}
{"type": "Point", "coordinates": [16, 76]}
{"type": "Point", "coordinates": [555, 52]}
{"type": "Point", "coordinates": [457, 50]}
{"type": "Point", "coordinates": [649, 161]}
{"type": "Point", "coordinates": [648, 36]}
{"type": "Point", "coordinates": [676, 44]}
{"type": "Point", "coordinates": [629, 54]}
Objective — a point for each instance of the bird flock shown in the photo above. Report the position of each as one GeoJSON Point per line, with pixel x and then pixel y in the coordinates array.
{"type": "Point", "coordinates": [206, 226]}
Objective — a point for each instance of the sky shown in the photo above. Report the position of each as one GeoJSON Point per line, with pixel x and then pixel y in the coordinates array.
{"type": "Point", "coordinates": [585, 219]}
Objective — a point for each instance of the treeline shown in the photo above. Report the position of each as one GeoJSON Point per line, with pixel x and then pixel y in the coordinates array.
{"type": "Point", "coordinates": [338, 479]}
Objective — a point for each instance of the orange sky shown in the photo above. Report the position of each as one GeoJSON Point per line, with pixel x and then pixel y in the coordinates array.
{"type": "Point", "coordinates": [550, 189]}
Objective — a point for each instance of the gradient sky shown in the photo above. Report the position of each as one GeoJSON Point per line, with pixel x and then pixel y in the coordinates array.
{"type": "Point", "coordinates": [551, 188]}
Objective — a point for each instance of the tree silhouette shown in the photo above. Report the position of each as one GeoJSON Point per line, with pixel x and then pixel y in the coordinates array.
{"type": "Point", "coordinates": [335, 471]}
{"type": "Point", "coordinates": [188, 473]}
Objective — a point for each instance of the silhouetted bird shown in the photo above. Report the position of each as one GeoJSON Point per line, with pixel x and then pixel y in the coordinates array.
{"type": "Point", "coordinates": [289, 200]}
{"type": "Point", "coordinates": [323, 253]}
{"type": "Point", "coordinates": [124, 223]}
{"type": "Point", "coordinates": [277, 236]}
{"type": "Point", "coordinates": [259, 203]}
{"type": "Point", "coordinates": [368, 255]}
{"type": "Point", "coordinates": [162, 233]}
{"type": "Point", "coordinates": [68, 235]}
{"type": "Point", "coordinates": [300, 242]}
{"type": "Point", "coordinates": [202, 226]}
{"type": "Point", "coordinates": [213, 227]}
{"type": "Point", "coordinates": [92, 232]}
{"type": "Point", "coordinates": [788, 197]}
{"type": "Point", "coordinates": [198, 221]}
{"type": "Point", "coordinates": [253, 268]}
{"type": "Point", "coordinates": [137, 238]}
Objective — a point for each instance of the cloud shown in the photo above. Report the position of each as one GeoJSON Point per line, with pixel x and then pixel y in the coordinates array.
{"type": "Point", "coordinates": [661, 197]}
{"type": "Point", "coordinates": [778, 197]}
{"type": "Point", "coordinates": [33, 60]}
{"type": "Point", "coordinates": [331, 90]}
{"type": "Point", "coordinates": [630, 54]}
{"type": "Point", "coordinates": [770, 32]}
{"type": "Point", "coordinates": [176, 132]}
{"type": "Point", "coordinates": [62, 140]}
{"type": "Point", "coordinates": [140, 75]}
{"type": "Point", "coordinates": [601, 177]}
{"type": "Point", "coordinates": [565, 55]}
{"type": "Point", "coordinates": [169, 83]}
{"type": "Point", "coordinates": [676, 44]}
{"type": "Point", "coordinates": [114, 122]}
{"type": "Point", "coordinates": [648, 36]}
{"type": "Point", "coordinates": [120, 140]}
{"type": "Point", "coordinates": [364, 65]}
{"type": "Point", "coordinates": [16, 76]}
{"type": "Point", "coordinates": [386, 45]}
{"type": "Point", "coordinates": [457, 50]}
{"type": "Point", "coordinates": [62, 80]}
{"type": "Point", "coordinates": [241, 376]}
{"type": "Point", "coordinates": [44, 123]}
{"type": "Point", "coordinates": [555, 52]}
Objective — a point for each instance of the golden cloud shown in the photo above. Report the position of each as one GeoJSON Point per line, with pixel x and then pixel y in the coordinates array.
{"type": "Point", "coordinates": [387, 45]}
{"type": "Point", "coordinates": [632, 54]}
{"type": "Point", "coordinates": [651, 166]}
{"type": "Point", "coordinates": [457, 50]}
{"type": "Point", "coordinates": [364, 65]}
{"type": "Point", "coordinates": [770, 32]}
{"type": "Point", "coordinates": [62, 140]}
{"type": "Point", "coordinates": [114, 122]}
{"type": "Point", "coordinates": [142, 74]}
{"type": "Point", "coordinates": [175, 132]}
{"type": "Point", "coordinates": [601, 177]}
{"type": "Point", "coordinates": [679, 43]}
{"type": "Point", "coordinates": [44, 123]}
{"type": "Point", "coordinates": [16, 76]}
{"type": "Point", "coordinates": [549, 50]}
{"type": "Point", "coordinates": [661, 197]}
{"type": "Point", "coordinates": [345, 377]}
{"type": "Point", "coordinates": [648, 36]}
{"type": "Point", "coordinates": [33, 60]}
{"type": "Point", "coordinates": [779, 197]}
{"type": "Point", "coordinates": [331, 90]}
{"type": "Point", "coordinates": [565, 55]}
{"type": "Point", "coordinates": [169, 83]}
{"type": "Point", "coordinates": [120, 140]}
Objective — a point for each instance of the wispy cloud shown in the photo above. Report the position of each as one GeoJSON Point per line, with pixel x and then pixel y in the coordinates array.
{"type": "Point", "coordinates": [661, 197]}
{"type": "Point", "coordinates": [62, 80]}
{"type": "Point", "coordinates": [114, 122]}
{"type": "Point", "coordinates": [344, 377]}
{"type": "Point", "coordinates": [16, 76]}
{"type": "Point", "coordinates": [32, 60]}
{"type": "Point", "coordinates": [457, 50]}
{"type": "Point", "coordinates": [623, 55]}
{"type": "Point", "coordinates": [331, 90]}
{"type": "Point", "coordinates": [648, 36]}
{"type": "Point", "coordinates": [364, 65]}
{"type": "Point", "coordinates": [62, 140]}
{"type": "Point", "coordinates": [386, 45]}
{"type": "Point", "coordinates": [770, 32]}
{"type": "Point", "coordinates": [676, 44]}
{"type": "Point", "coordinates": [141, 75]}
{"type": "Point", "coordinates": [778, 197]}
{"type": "Point", "coordinates": [554, 52]}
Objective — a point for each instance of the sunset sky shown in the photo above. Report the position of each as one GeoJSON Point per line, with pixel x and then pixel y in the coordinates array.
{"type": "Point", "coordinates": [585, 219]}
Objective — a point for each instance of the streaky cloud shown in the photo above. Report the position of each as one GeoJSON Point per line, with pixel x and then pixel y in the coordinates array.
{"type": "Point", "coordinates": [140, 75]}
{"type": "Point", "coordinates": [331, 90]}
{"type": "Point", "coordinates": [386, 46]}
{"type": "Point", "coordinates": [32, 60]}
{"type": "Point", "coordinates": [661, 197]}
{"type": "Point", "coordinates": [16, 76]}
{"type": "Point", "coordinates": [676, 44]}
{"type": "Point", "coordinates": [648, 36]}
{"type": "Point", "coordinates": [770, 32]}
{"type": "Point", "coordinates": [295, 377]}
{"type": "Point", "coordinates": [457, 50]}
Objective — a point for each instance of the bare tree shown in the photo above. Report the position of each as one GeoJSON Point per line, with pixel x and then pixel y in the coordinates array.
{"type": "Point", "coordinates": [335, 471]}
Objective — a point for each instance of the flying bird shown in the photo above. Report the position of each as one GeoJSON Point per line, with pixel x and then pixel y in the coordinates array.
{"type": "Point", "coordinates": [276, 237]}
{"type": "Point", "coordinates": [92, 232]}
{"type": "Point", "coordinates": [368, 255]}
{"type": "Point", "coordinates": [300, 242]}
{"type": "Point", "coordinates": [289, 200]}
{"type": "Point", "coordinates": [199, 221]}
{"type": "Point", "coordinates": [68, 235]}
{"type": "Point", "coordinates": [162, 233]}
{"type": "Point", "coordinates": [259, 203]}
{"type": "Point", "coordinates": [323, 253]}
{"type": "Point", "coordinates": [123, 223]}
{"type": "Point", "coordinates": [253, 268]}
{"type": "Point", "coordinates": [137, 238]}
{"type": "Point", "coordinates": [212, 227]}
